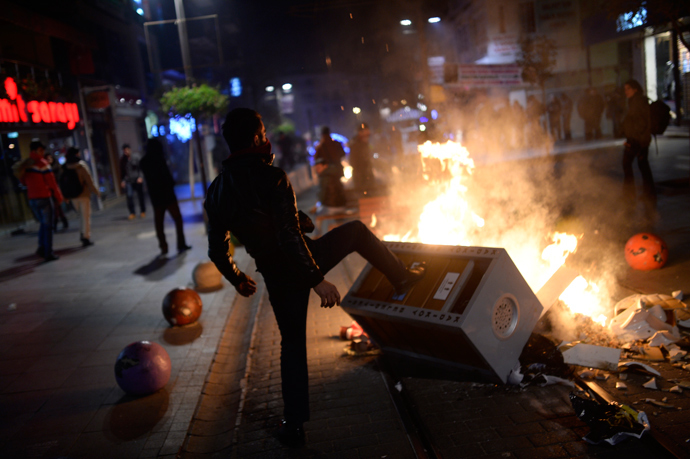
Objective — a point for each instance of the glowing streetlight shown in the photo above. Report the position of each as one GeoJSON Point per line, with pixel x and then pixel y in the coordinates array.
{"type": "Point", "coordinates": [270, 88]}
{"type": "Point", "coordinates": [356, 110]}
{"type": "Point", "coordinates": [287, 87]}
{"type": "Point", "coordinates": [434, 20]}
{"type": "Point", "coordinates": [406, 22]}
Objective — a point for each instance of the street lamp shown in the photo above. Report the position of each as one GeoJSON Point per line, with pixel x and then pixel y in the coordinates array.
{"type": "Point", "coordinates": [287, 87]}
{"type": "Point", "coordinates": [270, 88]}
{"type": "Point", "coordinates": [406, 22]}
{"type": "Point", "coordinates": [434, 20]}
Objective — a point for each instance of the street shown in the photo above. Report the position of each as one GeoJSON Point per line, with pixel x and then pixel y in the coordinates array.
{"type": "Point", "coordinates": [62, 325]}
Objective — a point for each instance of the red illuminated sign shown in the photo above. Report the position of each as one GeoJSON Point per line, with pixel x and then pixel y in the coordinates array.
{"type": "Point", "coordinates": [16, 110]}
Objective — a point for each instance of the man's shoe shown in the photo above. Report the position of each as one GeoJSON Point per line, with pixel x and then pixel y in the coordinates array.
{"type": "Point", "coordinates": [131, 217]}
{"type": "Point", "coordinates": [184, 248]}
{"type": "Point", "coordinates": [51, 257]}
{"type": "Point", "coordinates": [85, 242]}
{"type": "Point", "coordinates": [291, 435]}
{"type": "Point", "coordinates": [143, 214]}
{"type": "Point", "coordinates": [412, 276]}
{"type": "Point", "coordinates": [40, 252]}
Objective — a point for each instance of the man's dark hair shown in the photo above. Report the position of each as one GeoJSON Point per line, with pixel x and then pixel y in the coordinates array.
{"type": "Point", "coordinates": [634, 84]}
{"type": "Point", "coordinates": [125, 145]}
{"type": "Point", "coordinates": [240, 127]}
{"type": "Point", "coordinates": [325, 130]}
{"type": "Point", "coordinates": [35, 145]}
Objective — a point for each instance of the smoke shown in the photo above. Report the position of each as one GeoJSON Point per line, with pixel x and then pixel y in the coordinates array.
{"type": "Point", "coordinates": [522, 197]}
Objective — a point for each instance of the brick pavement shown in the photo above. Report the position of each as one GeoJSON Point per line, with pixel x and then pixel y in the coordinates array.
{"type": "Point", "coordinates": [62, 325]}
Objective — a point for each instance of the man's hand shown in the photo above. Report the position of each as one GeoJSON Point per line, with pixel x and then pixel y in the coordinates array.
{"type": "Point", "coordinates": [328, 293]}
{"type": "Point", "coordinates": [246, 287]}
{"type": "Point", "coordinates": [140, 180]}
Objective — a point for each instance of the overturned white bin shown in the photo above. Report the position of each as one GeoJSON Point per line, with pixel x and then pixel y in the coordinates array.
{"type": "Point", "coordinates": [473, 311]}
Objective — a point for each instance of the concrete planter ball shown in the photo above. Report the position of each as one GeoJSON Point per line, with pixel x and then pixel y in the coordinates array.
{"type": "Point", "coordinates": [142, 368]}
{"type": "Point", "coordinates": [182, 306]}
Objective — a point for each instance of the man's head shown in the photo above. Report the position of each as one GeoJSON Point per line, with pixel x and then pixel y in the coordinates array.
{"type": "Point", "coordinates": [37, 146]}
{"type": "Point", "coordinates": [631, 87]}
{"type": "Point", "coordinates": [126, 149]}
{"type": "Point", "coordinates": [325, 132]}
{"type": "Point", "coordinates": [72, 155]}
{"type": "Point", "coordinates": [244, 129]}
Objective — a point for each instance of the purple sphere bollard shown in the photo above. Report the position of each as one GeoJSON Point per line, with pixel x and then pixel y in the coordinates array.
{"type": "Point", "coordinates": [142, 368]}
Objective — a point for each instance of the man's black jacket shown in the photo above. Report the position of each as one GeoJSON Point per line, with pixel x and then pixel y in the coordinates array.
{"type": "Point", "coordinates": [256, 203]}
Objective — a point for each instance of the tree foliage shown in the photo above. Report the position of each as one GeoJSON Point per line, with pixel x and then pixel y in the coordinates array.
{"type": "Point", "coordinates": [537, 59]}
{"type": "Point", "coordinates": [202, 101]}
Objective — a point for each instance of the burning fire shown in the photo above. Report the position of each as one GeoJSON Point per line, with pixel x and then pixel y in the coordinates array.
{"type": "Point", "coordinates": [448, 219]}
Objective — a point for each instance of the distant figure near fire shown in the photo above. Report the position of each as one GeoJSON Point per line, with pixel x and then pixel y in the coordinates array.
{"type": "Point", "coordinates": [255, 202]}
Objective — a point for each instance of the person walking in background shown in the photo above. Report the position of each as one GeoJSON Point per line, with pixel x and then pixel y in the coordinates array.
{"type": "Point", "coordinates": [287, 151]}
{"type": "Point", "coordinates": [637, 130]}
{"type": "Point", "coordinates": [255, 201]}
{"type": "Point", "coordinates": [59, 214]}
{"type": "Point", "coordinates": [330, 170]}
{"type": "Point", "coordinates": [535, 110]}
{"type": "Point", "coordinates": [132, 180]}
{"type": "Point", "coordinates": [42, 189]}
{"type": "Point", "coordinates": [360, 160]}
{"type": "Point", "coordinates": [554, 112]}
{"type": "Point", "coordinates": [590, 108]}
{"type": "Point", "coordinates": [77, 171]}
{"type": "Point", "coordinates": [566, 114]}
{"type": "Point", "coordinates": [161, 186]}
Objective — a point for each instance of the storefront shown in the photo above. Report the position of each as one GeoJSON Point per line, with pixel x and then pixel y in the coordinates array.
{"type": "Point", "coordinates": [116, 116]}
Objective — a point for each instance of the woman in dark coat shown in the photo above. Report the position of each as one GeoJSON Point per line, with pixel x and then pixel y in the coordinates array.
{"type": "Point", "coordinates": [161, 186]}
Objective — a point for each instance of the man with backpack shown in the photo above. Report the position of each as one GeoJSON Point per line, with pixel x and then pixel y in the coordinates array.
{"type": "Point", "coordinates": [637, 131]}
{"type": "Point", "coordinates": [77, 185]}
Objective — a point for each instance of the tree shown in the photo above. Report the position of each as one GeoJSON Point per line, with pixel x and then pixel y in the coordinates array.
{"type": "Point", "coordinates": [537, 60]}
{"type": "Point", "coordinates": [202, 102]}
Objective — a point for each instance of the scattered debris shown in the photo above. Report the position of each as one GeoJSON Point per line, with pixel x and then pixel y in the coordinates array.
{"type": "Point", "coordinates": [658, 403]}
{"type": "Point", "coordinates": [665, 337]}
{"type": "Point", "coordinates": [653, 354]}
{"type": "Point", "coordinates": [637, 366]}
{"type": "Point", "coordinates": [610, 423]}
{"type": "Point", "coordinates": [589, 355]}
{"type": "Point", "coordinates": [587, 374]}
{"type": "Point", "coordinates": [651, 384]}
{"type": "Point", "coordinates": [621, 386]}
{"type": "Point", "coordinates": [676, 389]}
{"type": "Point", "coordinates": [623, 376]}
{"type": "Point", "coordinates": [677, 354]}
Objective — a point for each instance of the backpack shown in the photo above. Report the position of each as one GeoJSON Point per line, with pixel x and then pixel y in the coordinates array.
{"type": "Point", "coordinates": [70, 185]}
{"type": "Point", "coordinates": [660, 115]}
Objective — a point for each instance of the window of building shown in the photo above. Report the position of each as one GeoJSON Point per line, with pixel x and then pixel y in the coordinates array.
{"type": "Point", "coordinates": [527, 23]}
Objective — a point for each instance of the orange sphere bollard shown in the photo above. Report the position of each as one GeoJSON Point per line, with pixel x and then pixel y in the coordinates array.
{"type": "Point", "coordinates": [646, 251]}
{"type": "Point", "coordinates": [182, 306]}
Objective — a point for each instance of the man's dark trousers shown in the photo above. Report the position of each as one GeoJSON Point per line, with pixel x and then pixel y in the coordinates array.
{"type": "Point", "coordinates": [290, 303]}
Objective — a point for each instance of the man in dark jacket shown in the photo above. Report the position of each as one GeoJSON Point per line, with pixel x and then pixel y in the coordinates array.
{"type": "Point", "coordinates": [161, 187]}
{"type": "Point", "coordinates": [132, 181]}
{"type": "Point", "coordinates": [255, 201]}
{"type": "Point", "coordinates": [638, 136]}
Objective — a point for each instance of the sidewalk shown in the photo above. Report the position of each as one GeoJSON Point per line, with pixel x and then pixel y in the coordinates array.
{"type": "Point", "coordinates": [62, 325]}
